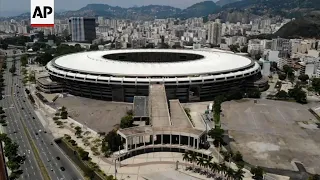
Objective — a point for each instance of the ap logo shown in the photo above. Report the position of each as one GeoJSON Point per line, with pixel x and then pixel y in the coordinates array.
{"type": "Point", "coordinates": [42, 13]}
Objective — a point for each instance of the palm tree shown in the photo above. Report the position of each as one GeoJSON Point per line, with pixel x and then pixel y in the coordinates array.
{"type": "Point", "coordinates": [214, 167]}
{"type": "Point", "coordinates": [239, 174]}
{"type": "Point", "coordinates": [208, 163]}
{"type": "Point", "coordinates": [201, 162]}
{"type": "Point", "coordinates": [223, 168]}
{"type": "Point", "coordinates": [229, 173]}
{"type": "Point", "coordinates": [193, 158]}
{"type": "Point", "coordinates": [186, 156]}
{"type": "Point", "coordinates": [257, 173]}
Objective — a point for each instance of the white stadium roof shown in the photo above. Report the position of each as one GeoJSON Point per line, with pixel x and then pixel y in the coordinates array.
{"type": "Point", "coordinates": [93, 62]}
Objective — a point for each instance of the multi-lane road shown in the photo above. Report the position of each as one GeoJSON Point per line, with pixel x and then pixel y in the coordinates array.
{"type": "Point", "coordinates": [21, 120]}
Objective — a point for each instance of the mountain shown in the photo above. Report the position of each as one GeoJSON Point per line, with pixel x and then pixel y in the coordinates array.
{"type": "Point", "coordinates": [8, 13]}
{"type": "Point", "coordinates": [307, 27]}
{"type": "Point", "coordinates": [225, 2]}
{"type": "Point", "coordinates": [143, 12]}
{"type": "Point", "coordinates": [199, 9]}
{"type": "Point", "coordinates": [140, 13]}
{"type": "Point", "coordinates": [286, 8]}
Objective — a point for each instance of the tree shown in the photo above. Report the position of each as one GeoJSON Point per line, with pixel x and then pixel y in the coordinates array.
{"type": "Point", "coordinates": [316, 84]}
{"type": "Point", "coordinates": [89, 173]}
{"type": "Point", "coordinates": [234, 48]}
{"type": "Point", "coordinates": [126, 122]}
{"type": "Point", "coordinates": [237, 157]}
{"type": "Point", "coordinates": [32, 77]}
{"type": "Point", "coordinates": [282, 76]}
{"type": "Point", "coordinates": [3, 137]}
{"type": "Point", "coordinates": [257, 57]}
{"type": "Point", "coordinates": [257, 173]}
{"type": "Point", "coordinates": [177, 46]}
{"type": "Point", "coordinates": [64, 115]}
{"type": "Point", "coordinates": [12, 165]}
{"type": "Point", "coordinates": [2, 121]}
{"type": "Point", "coordinates": [112, 140]}
{"type": "Point", "coordinates": [11, 149]}
{"type": "Point", "coordinates": [223, 168]}
{"type": "Point", "coordinates": [78, 47]}
{"type": "Point", "coordinates": [298, 94]}
{"type": "Point", "coordinates": [214, 167]}
{"type": "Point", "coordinates": [186, 156]}
{"type": "Point", "coordinates": [43, 59]}
{"type": "Point", "coordinates": [314, 177]}
{"type": "Point", "coordinates": [239, 174]}
{"type": "Point", "coordinates": [84, 155]}
{"type": "Point", "coordinates": [4, 65]}
{"type": "Point", "coordinates": [94, 47]}
{"type": "Point", "coordinates": [217, 109]}
{"type": "Point", "coordinates": [303, 77]}
{"type": "Point", "coordinates": [15, 174]}
{"type": "Point", "coordinates": [282, 95]}
{"type": "Point", "coordinates": [4, 46]}
{"type": "Point", "coordinates": [78, 131]}
{"type": "Point", "coordinates": [24, 60]}
{"type": "Point", "coordinates": [244, 49]}
{"type": "Point", "coordinates": [208, 163]}
{"type": "Point", "coordinates": [229, 173]}
{"type": "Point", "coordinates": [63, 108]}
{"type": "Point", "coordinates": [288, 70]}
{"type": "Point", "coordinates": [217, 134]}
{"type": "Point", "coordinates": [193, 157]}
{"type": "Point", "coordinates": [1, 110]}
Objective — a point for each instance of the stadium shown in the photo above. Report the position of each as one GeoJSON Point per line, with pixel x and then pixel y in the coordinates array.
{"type": "Point", "coordinates": [119, 75]}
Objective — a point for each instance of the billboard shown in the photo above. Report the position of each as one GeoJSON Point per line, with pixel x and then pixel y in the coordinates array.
{"type": "Point", "coordinates": [42, 13]}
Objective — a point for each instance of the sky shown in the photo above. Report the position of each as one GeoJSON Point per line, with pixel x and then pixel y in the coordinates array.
{"type": "Point", "coordinates": [16, 7]}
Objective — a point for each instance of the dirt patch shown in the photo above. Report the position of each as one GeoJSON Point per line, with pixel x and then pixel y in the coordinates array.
{"type": "Point", "coordinates": [98, 115]}
{"type": "Point", "coordinates": [273, 133]}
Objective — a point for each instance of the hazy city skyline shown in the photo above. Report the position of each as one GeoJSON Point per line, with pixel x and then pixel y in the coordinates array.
{"type": "Point", "coordinates": [16, 7]}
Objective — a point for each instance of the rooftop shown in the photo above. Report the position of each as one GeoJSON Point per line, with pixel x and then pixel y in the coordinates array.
{"type": "Point", "coordinates": [140, 106]}
{"type": "Point", "coordinates": [145, 130]}
{"type": "Point", "coordinates": [93, 62]}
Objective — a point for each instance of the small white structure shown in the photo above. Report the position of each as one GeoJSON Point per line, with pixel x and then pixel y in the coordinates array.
{"type": "Point", "coordinates": [266, 65]}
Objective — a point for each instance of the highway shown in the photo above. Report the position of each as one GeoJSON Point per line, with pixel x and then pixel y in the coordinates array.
{"type": "Point", "coordinates": [20, 113]}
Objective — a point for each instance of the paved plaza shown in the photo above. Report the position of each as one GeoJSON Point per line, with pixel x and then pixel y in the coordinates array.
{"type": "Point", "coordinates": [273, 133]}
{"type": "Point", "coordinates": [101, 116]}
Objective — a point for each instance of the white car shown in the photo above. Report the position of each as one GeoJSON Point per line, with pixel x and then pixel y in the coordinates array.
{"type": "Point", "coordinates": [40, 130]}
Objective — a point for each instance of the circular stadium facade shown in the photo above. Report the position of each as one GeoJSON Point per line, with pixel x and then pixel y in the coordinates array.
{"type": "Point", "coordinates": [119, 75]}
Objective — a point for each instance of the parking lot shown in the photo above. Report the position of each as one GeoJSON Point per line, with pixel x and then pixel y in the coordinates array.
{"type": "Point", "coordinates": [273, 133]}
{"type": "Point", "coordinates": [101, 116]}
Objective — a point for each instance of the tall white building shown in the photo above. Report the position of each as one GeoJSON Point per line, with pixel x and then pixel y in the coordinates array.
{"type": "Point", "coordinates": [214, 32]}
{"type": "Point", "coordinates": [100, 21]}
{"type": "Point", "coordinates": [266, 68]}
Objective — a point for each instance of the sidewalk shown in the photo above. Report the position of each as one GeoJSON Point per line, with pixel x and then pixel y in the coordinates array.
{"type": "Point", "coordinates": [3, 130]}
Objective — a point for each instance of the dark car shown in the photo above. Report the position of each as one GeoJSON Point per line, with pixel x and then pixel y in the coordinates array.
{"type": "Point", "coordinates": [33, 118]}
{"type": "Point", "coordinates": [62, 168]}
{"type": "Point", "coordinates": [58, 158]}
{"type": "Point", "coordinates": [36, 133]}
